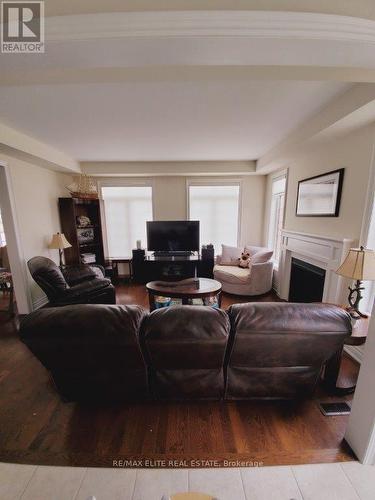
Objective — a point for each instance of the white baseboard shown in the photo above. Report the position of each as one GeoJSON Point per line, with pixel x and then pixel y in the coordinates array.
{"type": "Point", "coordinates": [355, 352]}
{"type": "Point", "coordinates": [40, 302]}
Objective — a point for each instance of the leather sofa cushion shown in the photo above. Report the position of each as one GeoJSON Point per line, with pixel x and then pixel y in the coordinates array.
{"type": "Point", "coordinates": [54, 277]}
{"type": "Point", "coordinates": [271, 383]}
{"type": "Point", "coordinates": [77, 274]}
{"type": "Point", "coordinates": [87, 287]}
{"type": "Point", "coordinates": [286, 334]}
{"type": "Point", "coordinates": [92, 351]}
{"type": "Point", "coordinates": [281, 343]}
{"type": "Point", "coordinates": [181, 337]}
{"type": "Point", "coordinates": [185, 348]}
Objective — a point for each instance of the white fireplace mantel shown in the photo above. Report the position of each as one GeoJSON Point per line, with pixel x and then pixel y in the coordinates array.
{"type": "Point", "coordinates": [322, 251]}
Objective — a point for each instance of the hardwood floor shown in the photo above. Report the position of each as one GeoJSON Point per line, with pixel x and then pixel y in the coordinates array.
{"type": "Point", "coordinates": [36, 427]}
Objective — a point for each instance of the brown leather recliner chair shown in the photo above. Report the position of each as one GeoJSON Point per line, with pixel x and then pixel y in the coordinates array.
{"type": "Point", "coordinates": [73, 284]}
{"type": "Point", "coordinates": [91, 351]}
{"type": "Point", "coordinates": [277, 350]}
{"type": "Point", "coordinates": [184, 348]}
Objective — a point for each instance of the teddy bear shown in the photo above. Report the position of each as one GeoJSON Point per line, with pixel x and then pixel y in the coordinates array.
{"type": "Point", "coordinates": [244, 260]}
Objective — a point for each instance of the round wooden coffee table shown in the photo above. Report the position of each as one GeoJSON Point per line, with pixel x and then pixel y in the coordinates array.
{"type": "Point", "coordinates": [192, 288]}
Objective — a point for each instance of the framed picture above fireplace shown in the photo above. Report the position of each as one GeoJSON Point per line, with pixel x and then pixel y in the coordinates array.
{"type": "Point", "coordinates": [320, 196]}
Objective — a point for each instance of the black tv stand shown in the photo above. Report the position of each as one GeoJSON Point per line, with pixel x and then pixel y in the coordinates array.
{"type": "Point", "coordinates": [186, 253]}
{"type": "Point", "coordinates": [171, 267]}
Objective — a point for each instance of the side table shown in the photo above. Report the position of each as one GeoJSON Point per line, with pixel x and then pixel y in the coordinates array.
{"type": "Point", "coordinates": [115, 261]}
{"type": "Point", "coordinates": [332, 368]}
{"type": "Point", "coordinates": [6, 285]}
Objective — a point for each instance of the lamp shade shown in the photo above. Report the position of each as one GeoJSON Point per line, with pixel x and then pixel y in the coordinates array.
{"type": "Point", "coordinates": [59, 241]}
{"type": "Point", "coordinates": [359, 264]}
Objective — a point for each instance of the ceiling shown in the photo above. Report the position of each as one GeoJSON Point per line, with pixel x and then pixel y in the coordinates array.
{"type": "Point", "coordinates": [164, 120]}
{"type": "Point", "coordinates": [359, 8]}
{"type": "Point", "coordinates": [182, 86]}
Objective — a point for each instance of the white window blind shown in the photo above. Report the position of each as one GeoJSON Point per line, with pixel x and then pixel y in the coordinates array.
{"type": "Point", "coordinates": [126, 211]}
{"type": "Point", "coordinates": [216, 207]}
{"type": "Point", "coordinates": [276, 215]}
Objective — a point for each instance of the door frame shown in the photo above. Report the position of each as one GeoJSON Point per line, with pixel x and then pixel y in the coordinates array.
{"type": "Point", "coordinates": [15, 250]}
{"type": "Point", "coordinates": [360, 431]}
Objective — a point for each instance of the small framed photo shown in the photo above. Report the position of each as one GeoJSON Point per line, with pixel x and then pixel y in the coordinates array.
{"type": "Point", "coordinates": [320, 196]}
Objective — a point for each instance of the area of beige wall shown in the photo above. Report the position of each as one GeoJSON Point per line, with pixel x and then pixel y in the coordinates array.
{"type": "Point", "coordinates": [36, 191]}
{"type": "Point", "coordinates": [353, 152]}
{"type": "Point", "coordinates": [169, 198]}
{"type": "Point", "coordinates": [253, 202]}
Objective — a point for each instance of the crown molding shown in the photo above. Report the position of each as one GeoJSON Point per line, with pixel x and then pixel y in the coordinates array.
{"type": "Point", "coordinates": [207, 24]}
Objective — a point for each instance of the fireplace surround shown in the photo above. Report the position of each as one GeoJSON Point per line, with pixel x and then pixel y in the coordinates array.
{"type": "Point", "coordinates": [323, 252]}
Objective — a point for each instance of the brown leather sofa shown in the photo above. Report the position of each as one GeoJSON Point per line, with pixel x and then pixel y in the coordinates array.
{"type": "Point", "coordinates": [255, 350]}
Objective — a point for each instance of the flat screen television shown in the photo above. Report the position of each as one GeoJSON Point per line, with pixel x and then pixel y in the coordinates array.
{"type": "Point", "coordinates": [173, 236]}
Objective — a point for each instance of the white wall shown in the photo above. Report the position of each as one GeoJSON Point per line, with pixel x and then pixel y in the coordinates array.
{"type": "Point", "coordinates": [36, 191]}
{"type": "Point", "coordinates": [253, 204]}
{"type": "Point", "coordinates": [360, 432]}
{"type": "Point", "coordinates": [352, 151]}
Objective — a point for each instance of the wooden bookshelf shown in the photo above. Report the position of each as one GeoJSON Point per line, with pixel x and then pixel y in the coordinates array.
{"type": "Point", "coordinates": [70, 209]}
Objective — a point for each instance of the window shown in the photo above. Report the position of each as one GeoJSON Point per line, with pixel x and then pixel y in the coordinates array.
{"type": "Point", "coordinates": [126, 211]}
{"type": "Point", "coordinates": [276, 215]}
{"type": "Point", "coordinates": [369, 291]}
{"type": "Point", "coordinates": [2, 233]}
{"type": "Point", "coordinates": [216, 207]}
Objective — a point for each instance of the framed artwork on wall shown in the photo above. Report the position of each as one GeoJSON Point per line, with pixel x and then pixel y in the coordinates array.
{"type": "Point", "coordinates": [320, 196]}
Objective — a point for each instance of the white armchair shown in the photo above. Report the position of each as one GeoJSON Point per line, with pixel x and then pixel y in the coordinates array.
{"type": "Point", "coordinates": [254, 281]}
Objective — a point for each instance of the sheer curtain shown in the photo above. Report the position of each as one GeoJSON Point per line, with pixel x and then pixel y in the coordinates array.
{"type": "Point", "coordinates": [126, 211]}
{"type": "Point", "coordinates": [216, 207]}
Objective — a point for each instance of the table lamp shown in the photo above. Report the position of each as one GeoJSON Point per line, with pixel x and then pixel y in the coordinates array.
{"type": "Point", "coordinates": [358, 265]}
{"type": "Point", "coordinates": [59, 242]}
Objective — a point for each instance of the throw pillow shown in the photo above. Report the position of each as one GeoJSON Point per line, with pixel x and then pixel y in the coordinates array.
{"type": "Point", "coordinates": [259, 255]}
{"type": "Point", "coordinates": [230, 255]}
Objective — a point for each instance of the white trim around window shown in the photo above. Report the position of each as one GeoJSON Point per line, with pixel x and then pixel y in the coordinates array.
{"type": "Point", "coordinates": [281, 174]}
{"type": "Point", "coordinates": [368, 231]}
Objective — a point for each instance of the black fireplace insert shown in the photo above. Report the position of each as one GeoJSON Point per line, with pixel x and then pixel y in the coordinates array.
{"type": "Point", "coordinates": [306, 282]}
